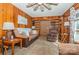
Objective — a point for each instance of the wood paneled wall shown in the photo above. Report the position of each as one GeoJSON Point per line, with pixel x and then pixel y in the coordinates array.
{"type": "Point", "coordinates": [65, 32]}
{"type": "Point", "coordinates": [51, 18]}
{"type": "Point", "coordinates": [76, 6]}
{"type": "Point", "coordinates": [9, 13]}
{"type": "Point", "coordinates": [65, 18]}
{"type": "Point", "coordinates": [56, 19]}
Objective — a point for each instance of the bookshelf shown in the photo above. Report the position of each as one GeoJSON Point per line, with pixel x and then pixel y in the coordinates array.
{"type": "Point", "coordinates": [37, 25]}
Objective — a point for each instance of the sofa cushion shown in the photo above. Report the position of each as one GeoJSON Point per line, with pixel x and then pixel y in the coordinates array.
{"type": "Point", "coordinates": [24, 31]}
{"type": "Point", "coordinates": [34, 36]}
{"type": "Point", "coordinates": [17, 34]}
{"type": "Point", "coordinates": [34, 32]}
{"type": "Point", "coordinates": [68, 49]}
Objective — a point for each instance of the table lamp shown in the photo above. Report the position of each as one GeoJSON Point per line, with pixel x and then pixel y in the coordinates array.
{"type": "Point", "coordinates": [33, 27]}
{"type": "Point", "coordinates": [8, 26]}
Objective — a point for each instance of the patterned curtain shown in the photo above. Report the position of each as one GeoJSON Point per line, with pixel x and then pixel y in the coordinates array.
{"type": "Point", "coordinates": [72, 31]}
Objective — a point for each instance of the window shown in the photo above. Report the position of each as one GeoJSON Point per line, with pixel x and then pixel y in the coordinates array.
{"type": "Point", "coordinates": [76, 33]}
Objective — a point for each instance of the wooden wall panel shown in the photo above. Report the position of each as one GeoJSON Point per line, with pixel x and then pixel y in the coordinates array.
{"type": "Point", "coordinates": [67, 13]}
{"type": "Point", "coordinates": [47, 18]}
{"type": "Point", "coordinates": [65, 31]}
{"type": "Point", "coordinates": [56, 19]}
{"type": "Point", "coordinates": [1, 20]}
{"type": "Point", "coordinates": [17, 12]}
{"type": "Point", "coordinates": [65, 18]}
{"type": "Point", "coordinates": [9, 13]}
{"type": "Point", "coordinates": [76, 6]}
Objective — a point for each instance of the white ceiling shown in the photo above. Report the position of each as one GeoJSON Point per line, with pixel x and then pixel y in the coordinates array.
{"type": "Point", "coordinates": [56, 10]}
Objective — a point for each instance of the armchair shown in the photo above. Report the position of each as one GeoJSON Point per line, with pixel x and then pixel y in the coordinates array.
{"type": "Point", "coordinates": [53, 33]}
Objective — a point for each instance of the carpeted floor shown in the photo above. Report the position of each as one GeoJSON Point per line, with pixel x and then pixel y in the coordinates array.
{"type": "Point", "coordinates": [40, 47]}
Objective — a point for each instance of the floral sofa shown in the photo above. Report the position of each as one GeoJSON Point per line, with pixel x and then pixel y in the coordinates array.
{"type": "Point", "coordinates": [68, 49]}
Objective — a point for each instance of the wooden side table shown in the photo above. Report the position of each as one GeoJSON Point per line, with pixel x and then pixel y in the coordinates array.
{"type": "Point", "coordinates": [12, 43]}
{"type": "Point", "coordinates": [4, 47]}
{"type": "Point", "coordinates": [5, 50]}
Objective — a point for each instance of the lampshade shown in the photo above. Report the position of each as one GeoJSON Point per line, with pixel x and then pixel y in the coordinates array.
{"type": "Point", "coordinates": [8, 26]}
{"type": "Point", "coordinates": [66, 23]}
{"type": "Point", "coordinates": [33, 27]}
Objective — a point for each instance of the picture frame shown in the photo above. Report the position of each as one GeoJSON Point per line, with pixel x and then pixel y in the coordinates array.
{"type": "Point", "coordinates": [22, 20]}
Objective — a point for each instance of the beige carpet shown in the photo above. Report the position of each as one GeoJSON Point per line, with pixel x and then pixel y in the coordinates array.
{"type": "Point", "coordinates": [40, 47]}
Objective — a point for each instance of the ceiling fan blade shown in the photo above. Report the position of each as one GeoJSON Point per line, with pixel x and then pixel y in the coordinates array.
{"type": "Point", "coordinates": [36, 8]}
{"type": "Point", "coordinates": [46, 7]}
{"type": "Point", "coordinates": [41, 8]}
{"type": "Point", "coordinates": [52, 4]}
{"type": "Point", "coordinates": [30, 5]}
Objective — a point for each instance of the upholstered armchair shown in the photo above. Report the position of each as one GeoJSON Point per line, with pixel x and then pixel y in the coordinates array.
{"type": "Point", "coordinates": [53, 33]}
{"type": "Point", "coordinates": [52, 36]}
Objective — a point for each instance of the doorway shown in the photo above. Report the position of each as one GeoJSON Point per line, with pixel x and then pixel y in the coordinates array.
{"type": "Point", "coordinates": [44, 27]}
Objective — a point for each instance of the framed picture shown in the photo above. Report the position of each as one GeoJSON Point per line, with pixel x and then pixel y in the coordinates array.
{"type": "Point", "coordinates": [22, 20]}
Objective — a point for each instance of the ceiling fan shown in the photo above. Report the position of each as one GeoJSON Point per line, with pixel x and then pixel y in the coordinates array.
{"type": "Point", "coordinates": [41, 6]}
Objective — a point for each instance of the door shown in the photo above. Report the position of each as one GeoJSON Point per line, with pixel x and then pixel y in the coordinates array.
{"type": "Point", "coordinates": [44, 30]}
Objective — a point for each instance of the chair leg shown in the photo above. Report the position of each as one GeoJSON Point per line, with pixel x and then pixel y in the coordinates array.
{"type": "Point", "coordinates": [21, 43]}
{"type": "Point", "coordinates": [6, 51]}
{"type": "Point", "coordinates": [12, 48]}
{"type": "Point", "coordinates": [0, 51]}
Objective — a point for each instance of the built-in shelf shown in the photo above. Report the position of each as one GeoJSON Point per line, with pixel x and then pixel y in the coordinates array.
{"type": "Point", "coordinates": [37, 25]}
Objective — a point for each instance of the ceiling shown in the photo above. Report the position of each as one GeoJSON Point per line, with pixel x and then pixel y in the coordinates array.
{"type": "Point", "coordinates": [58, 10]}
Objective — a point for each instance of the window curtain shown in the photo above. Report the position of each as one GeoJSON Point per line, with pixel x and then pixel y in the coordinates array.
{"type": "Point", "coordinates": [72, 31]}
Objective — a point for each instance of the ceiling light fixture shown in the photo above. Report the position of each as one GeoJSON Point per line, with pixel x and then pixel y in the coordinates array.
{"type": "Point", "coordinates": [41, 6]}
